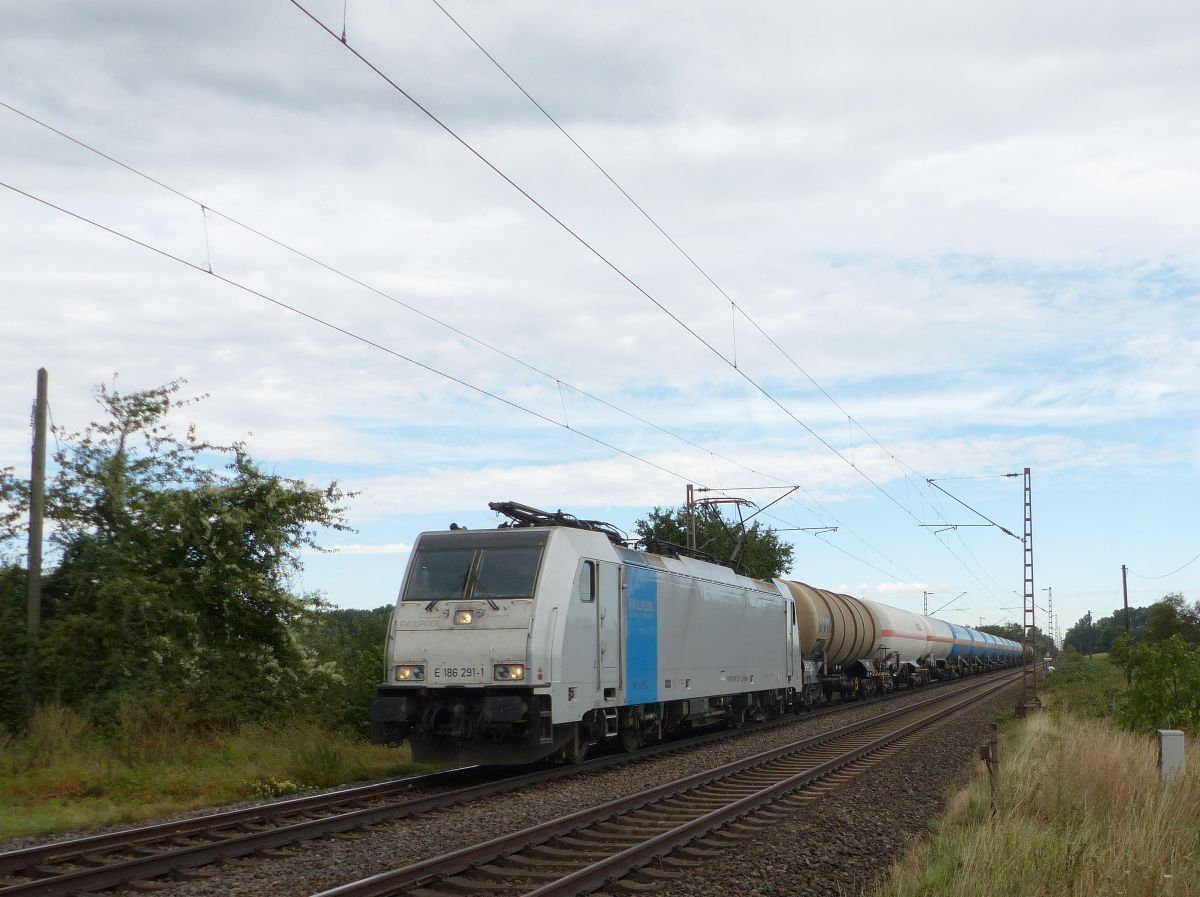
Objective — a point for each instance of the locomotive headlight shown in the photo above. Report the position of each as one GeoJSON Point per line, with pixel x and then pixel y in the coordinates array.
{"type": "Point", "coordinates": [508, 672]}
{"type": "Point", "coordinates": [464, 617]}
{"type": "Point", "coordinates": [411, 672]}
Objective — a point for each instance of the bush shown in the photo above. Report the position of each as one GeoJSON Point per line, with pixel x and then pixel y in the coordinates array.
{"type": "Point", "coordinates": [1165, 693]}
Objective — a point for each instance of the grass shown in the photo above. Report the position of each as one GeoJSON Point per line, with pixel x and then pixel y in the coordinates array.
{"type": "Point", "coordinates": [1084, 687]}
{"type": "Point", "coordinates": [1082, 813]}
{"type": "Point", "coordinates": [64, 774]}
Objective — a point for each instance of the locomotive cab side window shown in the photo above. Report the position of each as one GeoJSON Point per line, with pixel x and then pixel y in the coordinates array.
{"type": "Point", "coordinates": [587, 581]}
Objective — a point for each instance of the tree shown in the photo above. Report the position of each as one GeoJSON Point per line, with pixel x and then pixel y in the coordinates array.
{"type": "Point", "coordinates": [762, 555]}
{"type": "Point", "coordinates": [14, 505]}
{"type": "Point", "coordinates": [1099, 636]}
{"type": "Point", "coordinates": [1165, 692]}
{"type": "Point", "coordinates": [350, 640]}
{"type": "Point", "coordinates": [176, 559]}
{"type": "Point", "coordinates": [1172, 616]}
{"type": "Point", "coordinates": [1043, 644]}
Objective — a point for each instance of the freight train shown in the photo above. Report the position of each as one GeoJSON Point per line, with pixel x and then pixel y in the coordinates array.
{"type": "Point", "coordinates": [549, 635]}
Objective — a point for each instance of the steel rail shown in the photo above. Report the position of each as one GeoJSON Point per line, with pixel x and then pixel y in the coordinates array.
{"type": "Point", "coordinates": [56, 851]}
{"type": "Point", "coordinates": [611, 868]}
{"type": "Point", "coordinates": [225, 837]}
{"type": "Point", "coordinates": [455, 862]}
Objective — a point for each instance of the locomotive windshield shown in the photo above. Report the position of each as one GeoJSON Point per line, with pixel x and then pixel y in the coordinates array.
{"type": "Point", "coordinates": [485, 573]}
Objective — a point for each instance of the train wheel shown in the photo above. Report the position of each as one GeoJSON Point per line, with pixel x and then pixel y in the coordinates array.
{"type": "Point", "coordinates": [577, 748]}
{"type": "Point", "coordinates": [631, 739]}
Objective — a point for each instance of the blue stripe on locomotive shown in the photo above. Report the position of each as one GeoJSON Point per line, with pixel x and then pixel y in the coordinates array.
{"type": "Point", "coordinates": [641, 635]}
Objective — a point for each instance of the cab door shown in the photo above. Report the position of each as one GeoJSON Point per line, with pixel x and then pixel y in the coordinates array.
{"type": "Point", "coordinates": [793, 648]}
{"type": "Point", "coordinates": [608, 629]}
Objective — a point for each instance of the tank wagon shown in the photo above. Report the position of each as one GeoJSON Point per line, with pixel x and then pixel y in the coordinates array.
{"type": "Point", "coordinates": [545, 637]}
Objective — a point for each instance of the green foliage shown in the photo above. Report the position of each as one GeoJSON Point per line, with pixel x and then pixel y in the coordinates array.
{"type": "Point", "coordinates": [1165, 692]}
{"type": "Point", "coordinates": [264, 789]}
{"type": "Point", "coordinates": [350, 642]}
{"type": "Point", "coordinates": [68, 773]}
{"type": "Point", "coordinates": [12, 645]}
{"type": "Point", "coordinates": [1043, 644]}
{"type": "Point", "coordinates": [1170, 616]}
{"type": "Point", "coordinates": [14, 499]}
{"type": "Point", "coordinates": [761, 554]}
{"type": "Point", "coordinates": [1097, 636]}
{"type": "Point", "coordinates": [173, 584]}
{"type": "Point", "coordinates": [1173, 617]}
{"type": "Point", "coordinates": [1082, 686]}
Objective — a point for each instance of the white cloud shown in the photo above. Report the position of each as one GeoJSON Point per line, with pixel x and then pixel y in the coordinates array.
{"type": "Point", "coordinates": [972, 225]}
{"type": "Point", "coordinates": [396, 548]}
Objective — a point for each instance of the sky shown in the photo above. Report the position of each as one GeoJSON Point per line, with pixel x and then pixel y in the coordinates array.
{"type": "Point", "coordinates": [881, 244]}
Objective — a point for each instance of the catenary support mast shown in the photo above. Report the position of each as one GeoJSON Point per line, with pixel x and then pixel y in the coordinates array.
{"type": "Point", "coordinates": [1029, 697]}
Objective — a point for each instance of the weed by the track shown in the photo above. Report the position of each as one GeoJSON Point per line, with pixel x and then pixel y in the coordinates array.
{"type": "Point", "coordinates": [64, 774]}
{"type": "Point", "coordinates": [1081, 813]}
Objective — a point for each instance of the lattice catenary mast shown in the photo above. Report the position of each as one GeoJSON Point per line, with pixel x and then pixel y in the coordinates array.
{"type": "Point", "coordinates": [1029, 698]}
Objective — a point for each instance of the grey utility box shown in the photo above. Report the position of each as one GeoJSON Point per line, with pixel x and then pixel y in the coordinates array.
{"type": "Point", "coordinates": [1170, 755]}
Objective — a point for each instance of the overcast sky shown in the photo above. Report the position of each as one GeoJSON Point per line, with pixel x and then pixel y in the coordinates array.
{"type": "Point", "coordinates": [975, 226]}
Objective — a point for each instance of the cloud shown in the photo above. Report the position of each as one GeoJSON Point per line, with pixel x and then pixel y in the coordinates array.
{"type": "Point", "coordinates": [972, 226]}
{"type": "Point", "coordinates": [396, 548]}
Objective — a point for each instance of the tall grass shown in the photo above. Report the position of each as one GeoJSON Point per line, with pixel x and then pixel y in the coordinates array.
{"type": "Point", "coordinates": [66, 773]}
{"type": "Point", "coordinates": [1083, 813]}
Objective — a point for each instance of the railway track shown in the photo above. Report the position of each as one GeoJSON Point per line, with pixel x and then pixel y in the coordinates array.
{"type": "Point", "coordinates": [144, 853]}
{"type": "Point", "coordinates": [677, 826]}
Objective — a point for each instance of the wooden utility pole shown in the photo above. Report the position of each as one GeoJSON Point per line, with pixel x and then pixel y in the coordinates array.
{"type": "Point", "coordinates": [1125, 592]}
{"type": "Point", "coordinates": [691, 517]}
{"type": "Point", "coordinates": [37, 508]}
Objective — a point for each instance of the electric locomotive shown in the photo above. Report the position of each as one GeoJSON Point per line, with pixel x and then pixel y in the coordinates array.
{"type": "Point", "coordinates": [549, 635]}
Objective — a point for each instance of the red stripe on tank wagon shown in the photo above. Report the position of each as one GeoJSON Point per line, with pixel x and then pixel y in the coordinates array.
{"type": "Point", "coordinates": [919, 636]}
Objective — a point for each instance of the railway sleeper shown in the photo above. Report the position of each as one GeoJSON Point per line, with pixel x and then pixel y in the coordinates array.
{"type": "Point", "coordinates": [719, 841]}
{"type": "Point", "coordinates": [655, 874]}
{"type": "Point", "coordinates": [520, 873]}
{"type": "Point", "coordinates": [465, 885]}
{"type": "Point", "coordinates": [627, 886]}
{"type": "Point", "coordinates": [146, 885]}
{"type": "Point", "coordinates": [197, 873]}
{"type": "Point", "coordinates": [699, 854]}
{"type": "Point", "coordinates": [543, 851]}
{"type": "Point", "coordinates": [533, 862]}
{"type": "Point", "coordinates": [598, 841]}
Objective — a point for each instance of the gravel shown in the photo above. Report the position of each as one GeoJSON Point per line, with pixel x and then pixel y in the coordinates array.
{"type": "Point", "coordinates": [845, 835]}
{"type": "Point", "coordinates": [842, 844]}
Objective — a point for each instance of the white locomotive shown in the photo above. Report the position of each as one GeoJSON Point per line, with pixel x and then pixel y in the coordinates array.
{"type": "Point", "coordinates": [529, 641]}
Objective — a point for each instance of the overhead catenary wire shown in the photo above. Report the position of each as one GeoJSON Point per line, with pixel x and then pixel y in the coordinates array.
{"type": "Point", "coordinates": [735, 308]}
{"type": "Point", "coordinates": [620, 272]}
{"type": "Point", "coordinates": [378, 346]}
{"type": "Point", "coordinates": [560, 383]}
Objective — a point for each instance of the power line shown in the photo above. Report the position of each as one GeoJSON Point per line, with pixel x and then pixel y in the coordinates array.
{"type": "Point", "coordinates": [206, 209]}
{"type": "Point", "coordinates": [618, 270]}
{"type": "Point", "coordinates": [342, 330]}
{"type": "Point", "coordinates": [1171, 573]}
{"type": "Point", "coordinates": [373, 344]}
{"type": "Point", "coordinates": [737, 308]}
